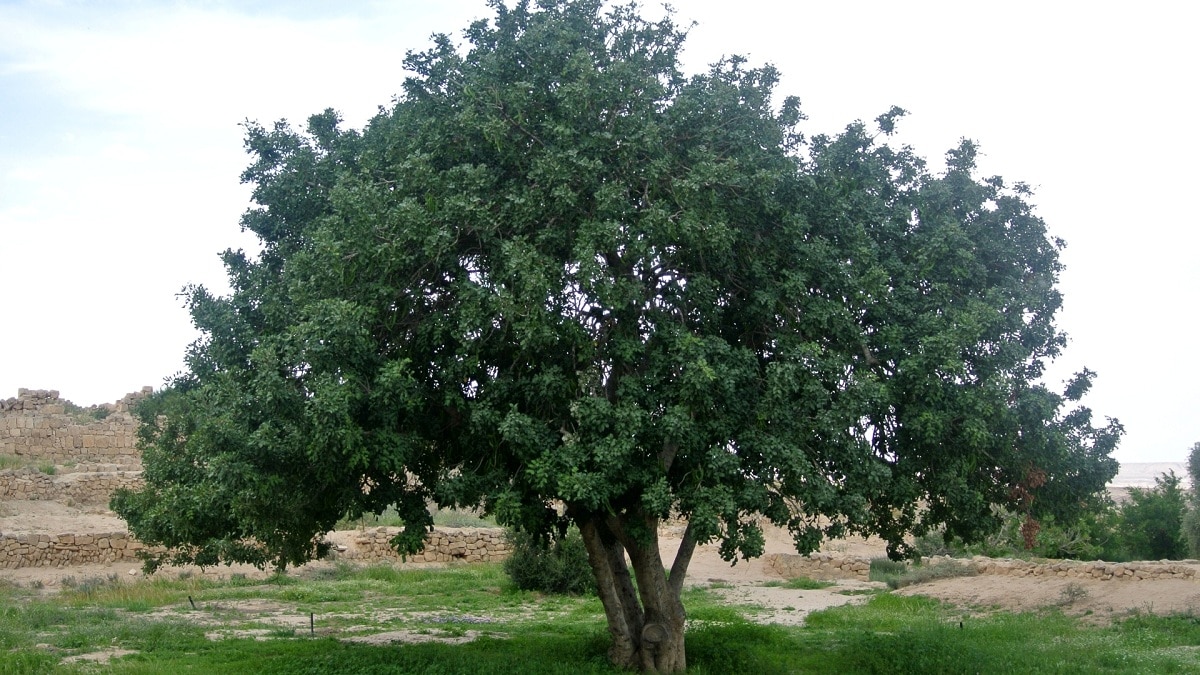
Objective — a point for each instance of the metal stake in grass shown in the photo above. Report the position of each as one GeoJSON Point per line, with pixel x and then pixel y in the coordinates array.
{"type": "Point", "coordinates": [312, 626]}
{"type": "Point", "coordinates": [191, 602]}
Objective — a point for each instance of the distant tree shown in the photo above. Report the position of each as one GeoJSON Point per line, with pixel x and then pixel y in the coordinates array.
{"type": "Point", "coordinates": [1191, 518]}
{"type": "Point", "coordinates": [1152, 520]}
{"type": "Point", "coordinates": [558, 272]}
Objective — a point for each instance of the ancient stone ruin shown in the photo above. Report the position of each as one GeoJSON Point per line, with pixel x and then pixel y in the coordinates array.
{"type": "Point", "coordinates": [58, 452]}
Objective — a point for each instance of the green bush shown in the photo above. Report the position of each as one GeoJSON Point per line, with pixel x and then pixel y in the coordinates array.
{"type": "Point", "coordinates": [1191, 518]}
{"type": "Point", "coordinates": [1095, 535]}
{"type": "Point", "coordinates": [558, 566]}
{"type": "Point", "coordinates": [1152, 520]}
{"type": "Point", "coordinates": [898, 574]}
{"type": "Point", "coordinates": [886, 570]}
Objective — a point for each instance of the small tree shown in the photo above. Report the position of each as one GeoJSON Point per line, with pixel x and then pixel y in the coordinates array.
{"type": "Point", "coordinates": [1152, 520]}
{"type": "Point", "coordinates": [559, 272]}
{"type": "Point", "coordinates": [1191, 518]}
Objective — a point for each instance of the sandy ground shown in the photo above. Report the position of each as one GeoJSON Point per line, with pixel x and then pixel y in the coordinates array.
{"type": "Point", "coordinates": [743, 582]}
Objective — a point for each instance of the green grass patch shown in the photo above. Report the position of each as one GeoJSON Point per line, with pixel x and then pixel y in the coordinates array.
{"type": "Point", "coordinates": [916, 635]}
{"type": "Point", "coordinates": [10, 462]}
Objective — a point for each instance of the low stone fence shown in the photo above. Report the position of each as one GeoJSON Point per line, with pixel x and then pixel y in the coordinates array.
{"type": "Point", "coordinates": [467, 544]}
{"type": "Point", "coordinates": [828, 566]}
{"type": "Point", "coordinates": [1074, 569]}
{"type": "Point", "coordinates": [69, 488]}
{"type": "Point", "coordinates": [820, 566]}
{"type": "Point", "coordinates": [66, 550]}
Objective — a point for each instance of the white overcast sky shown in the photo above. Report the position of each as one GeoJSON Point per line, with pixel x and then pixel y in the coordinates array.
{"type": "Point", "coordinates": [120, 152]}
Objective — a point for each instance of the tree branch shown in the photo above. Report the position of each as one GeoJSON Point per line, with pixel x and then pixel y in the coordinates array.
{"type": "Point", "coordinates": [683, 558]}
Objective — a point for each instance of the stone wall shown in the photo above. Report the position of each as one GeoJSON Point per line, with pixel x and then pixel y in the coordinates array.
{"type": "Point", "coordinates": [36, 426]}
{"type": "Point", "coordinates": [74, 488]}
{"type": "Point", "coordinates": [827, 566]}
{"type": "Point", "coordinates": [66, 550]}
{"type": "Point", "coordinates": [1075, 569]}
{"type": "Point", "coordinates": [467, 544]}
{"type": "Point", "coordinates": [820, 566]}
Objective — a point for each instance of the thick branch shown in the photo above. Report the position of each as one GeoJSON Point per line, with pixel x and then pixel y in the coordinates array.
{"type": "Point", "coordinates": [666, 456]}
{"type": "Point", "coordinates": [621, 608]}
{"type": "Point", "coordinates": [683, 558]}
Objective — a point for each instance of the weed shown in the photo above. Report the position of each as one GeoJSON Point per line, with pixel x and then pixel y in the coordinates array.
{"type": "Point", "coordinates": [10, 462]}
{"type": "Point", "coordinates": [1071, 593]}
{"type": "Point", "coordinates": [884, 569]}
{"type": "Point", "coordinates": [898, 574]}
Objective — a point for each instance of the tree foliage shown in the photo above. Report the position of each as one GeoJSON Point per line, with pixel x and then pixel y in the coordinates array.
{"type": "Point", "coordinates": [1152, 520]}
{"type": "Point", "coordinates": [558, 271]}
{"type": "Point", "coordinates": [1191, 517]}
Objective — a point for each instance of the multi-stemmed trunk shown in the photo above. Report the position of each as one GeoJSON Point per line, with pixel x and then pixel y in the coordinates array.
{"type": "Point", "coordinates": [647, 622]}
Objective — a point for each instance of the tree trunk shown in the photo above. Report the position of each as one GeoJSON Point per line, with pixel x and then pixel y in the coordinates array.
{"type": "Point", "coordinates": [647, 626]}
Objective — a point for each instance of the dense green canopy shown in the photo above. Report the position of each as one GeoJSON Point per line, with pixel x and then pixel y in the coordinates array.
{"type": "Point", "coordinates": [561, 280]}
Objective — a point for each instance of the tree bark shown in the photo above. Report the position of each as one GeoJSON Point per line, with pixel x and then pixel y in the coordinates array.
{"type": "Point", "coordinates": [647, 627]}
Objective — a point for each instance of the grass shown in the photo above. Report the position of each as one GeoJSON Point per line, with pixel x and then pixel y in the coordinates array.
{"type": "Point", "coordinates": [10, 462]}
{"type": "Point", "coordinates": [533, 633]}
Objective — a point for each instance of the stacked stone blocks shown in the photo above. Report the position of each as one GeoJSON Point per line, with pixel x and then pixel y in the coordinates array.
{"type": "Point", "coordinates": [828, 566]}
{"type": "Point", "coordinates": [466, 544]}
{"type": "Point", "coordinates": [66, 550]}
{"type": "Point", "coordinates": [75, 488]}
{"type": "Point", "coordinates": [37, 427]}
{"type": "Point", "coordinates": [819, 566]}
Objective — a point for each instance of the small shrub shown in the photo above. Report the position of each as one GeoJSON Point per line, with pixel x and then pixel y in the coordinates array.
{"type": "Point", "coordinates": [47, 468]}
{"type": "Point", "coordinates": [934, 543]}
{"type": "Point", "coordinates": [1071, 593]}
{"type": "Point", "coordinates": [1191, 518]}
{"type": "Point", "coordinates": [897, 574]}
{"type": "Point", "coordinates": [1152, 520]}
{"type": "Point", "coordinates": [560, 566]}
{"type": "Point", "coordinates": [885, 569]}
